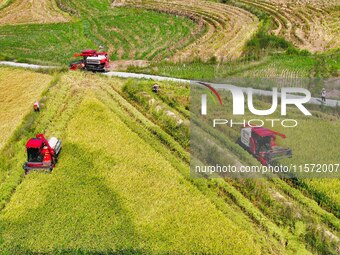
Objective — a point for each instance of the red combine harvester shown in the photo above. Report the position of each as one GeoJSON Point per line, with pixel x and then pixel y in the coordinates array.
{"type": "Point", "coordinates": [260, 142]}
{"type": "Point", "coordinates": [92, 61]}
{"type": "Point", "coordinates": [42, 154]}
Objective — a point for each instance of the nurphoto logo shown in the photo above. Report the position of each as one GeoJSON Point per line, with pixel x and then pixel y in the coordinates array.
{"type": "Point", "coordinates": [289, 96]}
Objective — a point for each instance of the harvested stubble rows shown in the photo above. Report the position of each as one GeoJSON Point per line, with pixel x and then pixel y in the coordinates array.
{"type": "Point", "coordinates": [32, 11]}
{"type": "Point", "coordinates": [19, 89]}
{"type": "Point", "coordinates": [311, 25]}
{"type": "Point", "coordinates": [228, 27]}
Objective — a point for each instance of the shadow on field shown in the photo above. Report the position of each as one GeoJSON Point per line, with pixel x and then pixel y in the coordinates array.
{"type": "Point", "coordinates": [79, 214]}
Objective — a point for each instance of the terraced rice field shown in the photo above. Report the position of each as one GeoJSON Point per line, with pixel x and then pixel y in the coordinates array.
{"type": "Point", "coordinates": [56, 43]}
{"type": "Point", "coordinates": [19, 90]}
{"type": "Point", "coordinates": [311, 25]}
{"type": "Point", "coordinates": [286, 67]}
{"type": "Point", "coordinates": [157, 37]}
{"type": "Point", "coordinates": [127, 205]}
{"type": "Point", "coordinates": [123, 34]}
{"type": "Point", "coordinates": [294, 206]}
{"type": "Point", "coordinates": [122, 184]}
{"type": "Point", "coordinates": [215, 30]}
{"type": "Point", "coordinates": [228, 27]}
{"type": "Point", "coordinates": [105, 123]}
{"type": "Point", "coordinates": [119, 30]}
{"type": "Point", "coordinates": [31, 11]}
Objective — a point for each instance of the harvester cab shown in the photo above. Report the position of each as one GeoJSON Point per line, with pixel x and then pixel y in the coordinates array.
{"type": "Point", "coordinates": [92, 61]}
{"type": "Point", "coordinates": [261, 143]}
{"type": "Point", "coordinates": [42, 154]}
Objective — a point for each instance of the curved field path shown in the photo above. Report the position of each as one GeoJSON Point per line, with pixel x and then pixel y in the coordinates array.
{"type": "Point", "coordinates": [32, 11]}
{"type": "Point", "coordinates": [228, 27]}
{"type": "Point", "coordinates": [311, 25]}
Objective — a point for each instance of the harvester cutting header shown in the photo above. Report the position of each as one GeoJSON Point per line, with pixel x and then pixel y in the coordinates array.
{"type": "Point", "coordinates": [42, 154]}
{"type": "Point", "coordinates": [92, 61]}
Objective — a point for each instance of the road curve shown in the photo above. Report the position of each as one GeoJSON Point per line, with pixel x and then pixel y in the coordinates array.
{"type": "Point", "coordinates": [313, 100]}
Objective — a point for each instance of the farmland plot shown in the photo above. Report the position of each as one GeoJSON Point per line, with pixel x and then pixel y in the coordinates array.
{"type": "Point", "coordinates": [19, 90]}
{"type": "Point", "coordinates": [271, 197]}
{"type": "Point", "coordinates": [228, 27]}
{"type": "Point", "coordinates": [158, 36]}
{"type": "Point", "coordinates": [101, 132]}
{"type": "Point", "coordinates": [321, 149]}
{"type": "Point", "coordinates": [124, 36]}
{"type": "Point", "coordinates": [276, 66]}
{"type": "Point", "coordinates": [119, 30]}
{"type": "Point", "coordinates": [36, 11]}
{"type": "Point", "coordinates": [311, 25]}
{"type": "Point", "coordinates": [49, 44]}
{"type": "Point", "coordinates": [127, 205]}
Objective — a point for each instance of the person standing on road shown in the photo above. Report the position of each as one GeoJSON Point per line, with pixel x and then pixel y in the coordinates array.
{"type": "Point", "coordinates": [323, 95]}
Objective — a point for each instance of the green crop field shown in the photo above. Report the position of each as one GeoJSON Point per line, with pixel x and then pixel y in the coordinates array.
{"type": "Point", "coordinates": [284, 66]}
{"type": "Point", "coordinates": [271, 197]}
{"type": "Point", "coordinates": [92, 120]}
{"type": "Point", "coordinates": [126, 205]}
{"type": "Point", "coordinates": [118, 30]}
{"type": "Point", "coordinates": [123, 184]}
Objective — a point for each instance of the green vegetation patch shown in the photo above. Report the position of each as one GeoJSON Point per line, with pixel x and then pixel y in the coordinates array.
{"type": "Point", "coordinates": [48, 43]}
{"type": "Point", "coordinates": [119, 30]}
{"type": "Point", "coordinates": [290, 65]}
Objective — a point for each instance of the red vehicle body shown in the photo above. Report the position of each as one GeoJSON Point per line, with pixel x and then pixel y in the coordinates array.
{"type": "Point", "coordinates": [92, 61]}
{"type": "Point", "coordinates": [261, 143]}
{"type": "Point", "coordinates": [42, 154]}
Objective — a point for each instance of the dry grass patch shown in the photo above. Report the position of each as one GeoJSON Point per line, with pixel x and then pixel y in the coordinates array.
{"type": "Point", "coordinates": [32, 11]}
{"type": "Point", "coordinates": [19, 89]}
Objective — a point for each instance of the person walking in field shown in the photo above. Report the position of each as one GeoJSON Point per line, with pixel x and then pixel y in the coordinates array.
{"type": "Point", "coordinates": [323, 95]}
{"type": "Point", "coordinates": [155, 88]}
{"type": "Point", "coordinates": [36, 106]}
